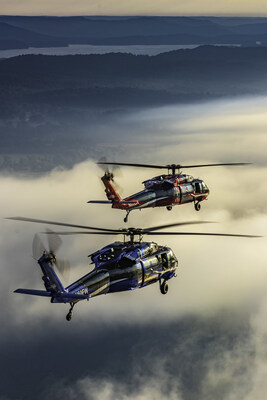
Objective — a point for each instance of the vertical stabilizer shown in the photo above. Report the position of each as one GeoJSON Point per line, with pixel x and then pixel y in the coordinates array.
{"type": "Point", "coordinates": [110, 190]}
{"type": "Point", "coordinates": [51, 281]}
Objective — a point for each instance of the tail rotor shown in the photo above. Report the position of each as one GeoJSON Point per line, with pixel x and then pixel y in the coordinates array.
{"type": "Point", "coordinates": [38, 248]}
{"type": "Point", "coordinates": [64, 268]}
{"type": "Point", "coordinates": [111, 171]}
{"type": "Point", "coordinates": [54, 243]}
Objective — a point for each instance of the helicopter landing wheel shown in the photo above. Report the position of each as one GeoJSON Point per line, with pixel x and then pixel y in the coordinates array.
{"type": "Point", "coordinates": [169, 208]}
{"type": "Point", "coordinates": [164, 287]}
{"type": "Point", "coordinates": [69, 315]}
{"type": "Point", "coordinates": [197, 206]}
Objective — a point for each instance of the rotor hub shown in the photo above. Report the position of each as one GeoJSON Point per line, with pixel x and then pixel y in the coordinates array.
{"type": "Point", "coordinates": [174, 167]}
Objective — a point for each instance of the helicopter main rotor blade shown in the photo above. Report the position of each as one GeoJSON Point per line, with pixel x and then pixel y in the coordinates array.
{"type": "Point", "coordinates": [42, 221]}
{"type": "Point", "coordinates": [212, 165]}
{"type": "Point", "coordinates": [133, 165]}
{"type": "Point", "coordinates": [136, 231]}
{"type": "Point", "coordinates": [128, 231]}
{"type": "Point", "coordinates": [141, 232]}
{"type": "Point", "coordinates": [88, 233]}
{"type": "Point", "coordinates": [202, 234]}
{"type": "Point", "coordinates": [155, 228]}
{"type": "Point", "coordinates": [171, 166]}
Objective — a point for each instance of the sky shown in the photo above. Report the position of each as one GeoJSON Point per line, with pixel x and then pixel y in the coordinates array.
{"type": "Point", "coordinates": [136, 7]}
{"type": "Point", "coordinates": [189, 344]}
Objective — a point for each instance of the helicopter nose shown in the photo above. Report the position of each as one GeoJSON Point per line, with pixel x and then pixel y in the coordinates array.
{"type": "Point", "coordinates": [205, 188]}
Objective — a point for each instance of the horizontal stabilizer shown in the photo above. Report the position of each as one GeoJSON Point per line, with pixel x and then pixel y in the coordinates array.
{"type": "Point", "coordinates": [34, 292]}
{"type": "Point", "coordinates": [100, 201]}
{"type": "Point", "coordinates": [44, 293]}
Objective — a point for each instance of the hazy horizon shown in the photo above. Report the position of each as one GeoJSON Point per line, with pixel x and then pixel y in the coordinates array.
{"type": "Point", "coordinates": [117, 15]}
{"type": "Point", "coordinates": [137, 8]}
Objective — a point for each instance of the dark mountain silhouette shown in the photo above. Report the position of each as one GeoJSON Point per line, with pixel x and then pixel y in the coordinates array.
{"type": "Point", "coordinates": [24, 37]}
{"type": "Point", "coordinates": [61, 31]}
{"type": "Point", "coordinates": [251, 29]}
{"type": "Point", "coordinates": [200, 61]}
{"type": "Point", "coordinates": [51, 105]}
{"type": "Point", "coordinates": [106, 28]}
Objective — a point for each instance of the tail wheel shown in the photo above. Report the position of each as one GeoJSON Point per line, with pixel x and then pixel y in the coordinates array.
{"type": "Point", "coordinates": [127, 215]}
{"type": "Point", "coordinates": [164, 287]}
{"type": "Point", "coordinates": [169, 208]}
{"type": "Point", "coordinates": [68, 316]}
{"type": "Point", "coordinates": [197, 206]}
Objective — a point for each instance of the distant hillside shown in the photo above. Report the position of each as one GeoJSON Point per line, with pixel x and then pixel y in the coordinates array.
{"type": "Point", "coordinates": [23, 37]}
{"type": "Point", "coordinates": [106, 28]}
{"type": "Point", "coordinates": [56, 31]}
{"type": "Point", "coordinates": [124, 80]}
{"type": "Point", "coordinates": [51, 105]}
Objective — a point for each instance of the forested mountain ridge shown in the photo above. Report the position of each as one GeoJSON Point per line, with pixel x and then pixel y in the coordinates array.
{"type": "Point", "coordinates": [221, 70]}
{"type": "Point", "coordinates": [53, 103]}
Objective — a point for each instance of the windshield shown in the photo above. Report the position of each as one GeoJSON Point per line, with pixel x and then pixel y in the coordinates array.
{"type": "Point", "coordinates": [204, 186]}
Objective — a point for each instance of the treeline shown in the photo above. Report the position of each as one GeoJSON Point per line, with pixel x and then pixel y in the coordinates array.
{"type": "Point", "coordinates": [115, 80]}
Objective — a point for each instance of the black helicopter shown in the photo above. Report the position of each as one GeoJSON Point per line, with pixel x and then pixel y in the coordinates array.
{"type": "Point", "coordinates": [119, 266]}
{"type": "Point", "coordinates": [167, 191]}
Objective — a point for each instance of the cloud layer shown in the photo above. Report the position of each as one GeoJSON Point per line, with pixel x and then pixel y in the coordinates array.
{"type": "Point", "coordinates": [206, 338]}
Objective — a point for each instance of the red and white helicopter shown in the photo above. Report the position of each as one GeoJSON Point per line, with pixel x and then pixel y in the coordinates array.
{"type": "Point", "coordinates": [168, 190]}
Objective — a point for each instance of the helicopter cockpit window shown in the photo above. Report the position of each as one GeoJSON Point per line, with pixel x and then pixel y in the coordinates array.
{"type": "Point", "coordinates": [173, 261]}
{"type": "Point", "coordinates": [164, 260]}
{"type": "Point", "coordinates": [167, 185]}
{"type": "Point", "coordinates": [126, 262]}
{"type": "Point", "coordinates": [204, 186]}
{"type": "Point", "coordinates": [190, 178]}
{"type": "Point", "coordinates": [197, 187]}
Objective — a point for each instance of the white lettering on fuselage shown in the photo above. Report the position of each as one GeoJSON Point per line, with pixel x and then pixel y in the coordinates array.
{"type": "Point", "coordinates": [82, 291]}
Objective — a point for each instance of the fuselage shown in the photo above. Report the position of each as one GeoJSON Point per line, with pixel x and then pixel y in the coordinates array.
{"type": "Point", "coordinates": [167, 190]}
{"type": "Point", "coordinates": [126, 266]}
